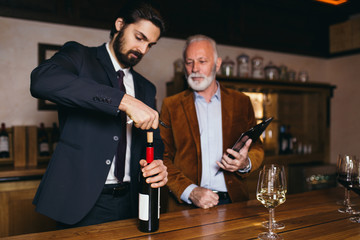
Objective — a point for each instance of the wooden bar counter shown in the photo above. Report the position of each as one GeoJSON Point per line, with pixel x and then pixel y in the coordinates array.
{"type": "Point", "coordinates": [310, 215]}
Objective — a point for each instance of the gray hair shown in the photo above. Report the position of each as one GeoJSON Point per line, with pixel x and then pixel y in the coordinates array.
{"type": "Point", "coordinates": [198, 38]}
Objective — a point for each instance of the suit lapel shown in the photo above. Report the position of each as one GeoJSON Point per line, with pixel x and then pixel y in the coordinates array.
{"type": "Point", "coordinates": [188, 104]}
{"type": "Point", "coordinates": [227, 111]}
{"type": "Point", "coordinates": [105, 61]}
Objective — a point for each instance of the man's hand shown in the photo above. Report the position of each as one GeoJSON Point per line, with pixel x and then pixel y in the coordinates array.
{"type": "Point", "coordinates": [241, 158]}
{"type": "Point", "coordinates": [155, 172]}
{"type": "Point", "coordinates": [203, 197]}
{"type": "Point", "coordinates": [144, 117]}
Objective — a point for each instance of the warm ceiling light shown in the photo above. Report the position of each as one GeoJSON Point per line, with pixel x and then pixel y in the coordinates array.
{"type": "Point", "coordinates": [333, 2]}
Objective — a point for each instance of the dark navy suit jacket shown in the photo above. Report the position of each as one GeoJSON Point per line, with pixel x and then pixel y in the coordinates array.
{"type": "Point", "coordinates": [82, 82]}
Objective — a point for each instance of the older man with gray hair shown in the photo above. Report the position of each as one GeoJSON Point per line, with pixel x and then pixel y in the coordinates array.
{"type": "Point", "coordinates": [205, 121]}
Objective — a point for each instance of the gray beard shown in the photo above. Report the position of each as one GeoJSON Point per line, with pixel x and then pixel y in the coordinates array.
{"type": "Point", "coordinates": [204, 84]}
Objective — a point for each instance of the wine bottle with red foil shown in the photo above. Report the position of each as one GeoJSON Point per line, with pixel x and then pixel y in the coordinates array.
{"type": "Point", "coordinates": [4, 142]}
{"type": "Point", "coordinates": [43, 141]}
{"type": "Point", "coordinates": [149, 198]}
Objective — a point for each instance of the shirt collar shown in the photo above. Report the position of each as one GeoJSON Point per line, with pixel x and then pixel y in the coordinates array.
{"type": "Point", "coordinates": [115, 63]}
{"type": "Point", "coordinates": [215, 96]}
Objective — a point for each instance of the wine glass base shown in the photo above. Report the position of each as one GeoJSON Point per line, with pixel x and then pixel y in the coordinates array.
{"type": "Point", "coordinates": [269, 236]}
{"type": "Point", "coordinates": [275, 225]}
{"type": "Point", "coordinates": [355, 219]}
{"type": "Point", "coordinates": [349, 210]}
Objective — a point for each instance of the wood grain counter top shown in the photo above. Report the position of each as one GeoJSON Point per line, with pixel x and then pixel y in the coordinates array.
{"type": "Point", "coordinates": [310, 215]}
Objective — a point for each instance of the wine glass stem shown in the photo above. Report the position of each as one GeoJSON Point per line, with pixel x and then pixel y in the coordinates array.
{"type": "Point", "coordinates": [271, 214]}
{"type": "Point", "coordinates": [348, 206]}
{"type": "Point", "coordinates": [273, 217]}
{"type": "Point", "coordinates": [346, 194]}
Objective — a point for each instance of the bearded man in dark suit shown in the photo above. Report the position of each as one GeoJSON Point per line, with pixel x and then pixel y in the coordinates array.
{"type": "Point", "coordinates": [80, 186]}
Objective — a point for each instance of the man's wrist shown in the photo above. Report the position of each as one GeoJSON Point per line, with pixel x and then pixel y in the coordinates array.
{"type": "Point", "coordinates": [247, 168]}
{"type": "Point", "coordinates": [186, 194]}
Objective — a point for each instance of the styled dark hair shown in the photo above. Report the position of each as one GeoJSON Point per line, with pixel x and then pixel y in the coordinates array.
{"type": "Point", "coordinates": [134, 11]}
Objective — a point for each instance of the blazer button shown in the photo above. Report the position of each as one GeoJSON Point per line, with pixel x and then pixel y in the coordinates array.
{"type": "Point", "coordinates": [108, 162]}
{"type": "Point", "coordinates": [116, 138]}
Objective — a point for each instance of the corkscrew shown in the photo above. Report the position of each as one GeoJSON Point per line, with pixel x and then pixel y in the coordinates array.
{"type": "Point", "coordinates": [160, 122]}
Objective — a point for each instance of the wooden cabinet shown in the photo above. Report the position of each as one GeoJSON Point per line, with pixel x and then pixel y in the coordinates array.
{"type": "Point", "coordinates": [24, 148]}
{"type": "Point", "coordinates": [17, 215]}
{"type": "Point", "coordinates": [20, 175]}
{"type": "Point", "coordinates": [17, 147]}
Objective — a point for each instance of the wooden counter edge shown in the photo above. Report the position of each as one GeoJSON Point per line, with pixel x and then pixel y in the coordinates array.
{"type": "Point", "coordinates": [22, 172]}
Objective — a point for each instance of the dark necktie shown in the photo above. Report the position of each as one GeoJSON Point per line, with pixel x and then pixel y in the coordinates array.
{"type": "Point", "coordinates": [121, 151]}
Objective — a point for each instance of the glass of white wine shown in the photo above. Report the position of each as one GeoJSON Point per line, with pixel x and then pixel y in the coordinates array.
{"type": "Point", "coordinates": [271, 192]}
{"type": "Point", "coordinates": [276, 224]}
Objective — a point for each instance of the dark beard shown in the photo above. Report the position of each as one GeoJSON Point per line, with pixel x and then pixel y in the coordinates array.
{"type": "Point", "coordinates": [125, 59]}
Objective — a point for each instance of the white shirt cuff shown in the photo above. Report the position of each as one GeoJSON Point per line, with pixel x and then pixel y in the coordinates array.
{"type": "Point", "coordinates": [185, 195]}
{"type": "Point", "coordinates": [247, 169]}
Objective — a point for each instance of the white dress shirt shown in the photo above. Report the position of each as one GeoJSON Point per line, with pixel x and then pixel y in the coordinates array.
{"type": "Point", "coordinates": [129, 87]}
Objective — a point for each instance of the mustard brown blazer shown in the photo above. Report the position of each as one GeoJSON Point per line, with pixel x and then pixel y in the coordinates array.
{"type": "Point", "coordinates": [182, 154]}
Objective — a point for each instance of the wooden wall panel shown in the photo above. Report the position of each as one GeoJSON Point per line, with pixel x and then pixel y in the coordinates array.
{"type": "Point", "coordinates": [17, 215]}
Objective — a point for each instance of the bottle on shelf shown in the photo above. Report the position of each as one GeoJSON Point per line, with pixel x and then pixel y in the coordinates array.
{"type": "Point", "coordinates": [289, 139]}
{"type": "Point", "coordinates": [283, 143]}
{"type": "Point", "coordinates": [149, 198]}
{"type": "Point", "coordinates": [286, 140]}
{"type": "Point", "coordinates": [227, 67]}
{"type": "Point", "coordinates": [43, 141]}
{"type": "Point", "coordinates": [55, 135]}
{"type": "Point", "coordinates": [4, 142]}
{"type": "Point", "coordinates": [243, 66]}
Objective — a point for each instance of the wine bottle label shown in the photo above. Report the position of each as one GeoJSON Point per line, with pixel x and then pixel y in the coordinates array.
{"type": "Point", "coordinates": [44, 147]}
{"type": "Point", "coordinates": [4, 144]}
{"type": "Point", "coordinates": [144, 207]}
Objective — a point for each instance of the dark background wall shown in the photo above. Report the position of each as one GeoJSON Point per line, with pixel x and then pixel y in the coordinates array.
{"type": "Point", "coordinates": [291, 26]}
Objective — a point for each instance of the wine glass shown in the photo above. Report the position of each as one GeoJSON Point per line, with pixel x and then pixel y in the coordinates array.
{"type": "Point", "coordinates": [275, 224]}
{"type": "Point", "coordinates": [355, 183]}
{"type": "Point", "coordinates": [347, 167]}
{"type": "Point", "coordinates": [342, 202]}
{"type": "Point", "coordinates": [270, 192]}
